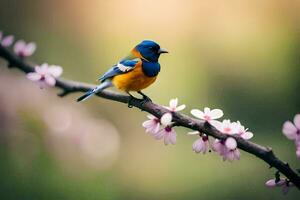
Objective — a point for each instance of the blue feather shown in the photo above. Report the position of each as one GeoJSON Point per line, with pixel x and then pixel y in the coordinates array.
{"type": "Point", "coordinates": [150, 69]}
{"type": "Point", "coordinates": [116, 71]}
{"type": "Point", "coordinates": [97, 89]}
{"type": "Point", "coordinates": [149, 50]}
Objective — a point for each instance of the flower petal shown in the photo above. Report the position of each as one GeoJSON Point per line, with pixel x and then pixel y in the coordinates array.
{"type": "Point", "coordinates": [270, 183]}
{"type": "Point", "coordinates": [55, 70]}
{"type": "Point", "coordinates": [216, 113]}
{"type": "Point", "coordinates": [200, 146]}
{"type": "Point", "coordinates": [247, 135]}
{"type": "Point", "coordinates": [297, 121]}
{"type": "Point", "coordinates": [166, 119]}
{"type": "Point", "coordinates": [29, 49]}
{"type": "Point", "coordinates": [42, 69]}
{"type": "Point", "coordinates": [197, 113]}
{"type": "Point", "coordinates": [180, 108]}
{"type": "Point", "coordinates": [173, 103]}
{"type": "Point", "coordinates": [152, 126]}
{"type": "Point", "coordinates": [147, 124]}
{"type": "Point", "coordinates": [170, 137]}
{"type": "Point", "coordinates": [19, 46]}
{"type": "Point", "coordinates": [33, 76]}
{"type": "Point", "coordinates": [50, 81]}
{"type": "Point", "coordinates": [156, 128]}
{"type": "Point", "coordinates": [207, 111]}
{"type": "Point", "coordinates": [218, 147]}
{"type": "Point", "coordinates": [237, 154]}
{"type": "Point", "coordinates": [7, 41]}
{"type": "Point", "coordinates": [289, 130]}
{"type": "Point", "coordinates": [230, 143]}
{"type": "Point", "coordinates": [160, 134]}
{"type": "Point", "coordinates": [216, 124]}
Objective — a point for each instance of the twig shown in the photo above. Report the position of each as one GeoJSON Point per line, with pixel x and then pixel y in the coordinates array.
{"type": "Point", "coordinates": [69, 86]}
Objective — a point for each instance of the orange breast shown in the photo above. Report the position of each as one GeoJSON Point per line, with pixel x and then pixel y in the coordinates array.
{"type": "Point", "coordinates": [134, 80]}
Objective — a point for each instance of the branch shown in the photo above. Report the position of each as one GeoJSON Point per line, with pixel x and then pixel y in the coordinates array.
{"type": "Point", "coordinates": [69, 86]}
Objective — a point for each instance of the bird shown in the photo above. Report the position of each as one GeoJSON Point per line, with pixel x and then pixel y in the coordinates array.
{"type": "Point", "coordinates": [133, 73]}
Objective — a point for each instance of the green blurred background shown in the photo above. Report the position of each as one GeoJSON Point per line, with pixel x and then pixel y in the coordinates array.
{"type": "Point", "coordinates": [241, 56]}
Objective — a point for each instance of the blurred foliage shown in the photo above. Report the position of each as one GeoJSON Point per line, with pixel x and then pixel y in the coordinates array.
{"type": "Point", "coordinates": [241, 56]}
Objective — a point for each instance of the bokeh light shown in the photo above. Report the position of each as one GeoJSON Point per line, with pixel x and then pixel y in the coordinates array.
{"type": "Point", "coordinates": [241, 56]}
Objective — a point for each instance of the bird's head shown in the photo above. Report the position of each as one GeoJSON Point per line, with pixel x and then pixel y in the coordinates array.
{"type": "Point", "coordinates": [149, 50]}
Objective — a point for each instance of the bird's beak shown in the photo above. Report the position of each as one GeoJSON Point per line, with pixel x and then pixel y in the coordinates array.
{"type": "Point", "coordinates": [161, 50]}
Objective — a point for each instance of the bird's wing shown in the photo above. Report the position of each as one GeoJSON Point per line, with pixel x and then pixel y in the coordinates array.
{"type": "Point", "coordinates": [122, 67]}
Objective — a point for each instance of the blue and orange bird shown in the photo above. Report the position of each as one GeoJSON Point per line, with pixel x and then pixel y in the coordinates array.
{"type": "Point", "coordinates": [135, 72]}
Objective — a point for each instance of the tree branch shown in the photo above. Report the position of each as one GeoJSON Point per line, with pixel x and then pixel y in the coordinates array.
{"type": "Point", "coordinates": [69, 86]}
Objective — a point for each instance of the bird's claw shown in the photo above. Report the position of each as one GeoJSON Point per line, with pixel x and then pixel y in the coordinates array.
{"type": "Point", "coordinates": [144, 100]}
{"type": "Point", "coordinates": [131, 98]}
{"type": "Point", "coordinates": [130, 101]}
{"type": "Point", "coordinates": [145, 97]}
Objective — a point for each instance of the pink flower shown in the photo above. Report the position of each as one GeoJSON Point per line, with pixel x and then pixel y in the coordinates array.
{"type": "Point", "coordinates": [231, 154]}
{"type": "Point", "coordinates": [201, 145]}
{"type": "Point", "coordinates": [7, 40]}
{"type": "Point", "coordinates": [242, 132]}
{"type": "Point", "coordinates": [167, 133]}
{"type": "Point", "coordinates": [227, 127]}
{"type": "Point", "coordinates": [230, 143]}
{"type": "Point", "coordinates": [292, 130]}
{"type": "Point", "coordinates": [219, 146]}
{"type": "Point", "coordinates": [208, 115]}
{"type": "Point", "coordinates": [173, 106]}
{"type": "Point", "coordinates": [152, 125]}
{"type": "Point", "coordinates": [24, 50]}
{"type": "Point", "coordinates": [283, 183]}
{"type": "Point", "coordinates": [227, 149]}
{"type": "Point", "coordinates": [45, 75]}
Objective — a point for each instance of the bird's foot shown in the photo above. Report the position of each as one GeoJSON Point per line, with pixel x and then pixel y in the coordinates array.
{"type": "Point", "coordinates": [145, 98]}
{"type": "Point", "coordinates": [131, 99]}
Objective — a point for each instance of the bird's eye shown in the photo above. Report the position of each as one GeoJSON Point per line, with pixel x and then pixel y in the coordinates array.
{"type": "Point", "coordinates": [153, 48]}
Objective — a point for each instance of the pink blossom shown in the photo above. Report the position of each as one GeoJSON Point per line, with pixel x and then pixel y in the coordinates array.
{"type": "Point", "coordinates": [230, 143]}
{"type": "Point", "coordinates": [283, 183]}
{"type": "Point", "coordinates": [243, 132]}
{"type": "Point", "coordinates": [219, 146]}
{"type": "Point", "coordinates": [231, 154]}
{"type": "Point", "coordinates": [227, 149]}
{"type": "Point", "coordinates": [7, 40]}
{"type": "Point", "coordinates": [23, 49]}
{"type": "Point", "coordinates": [173, 106]}
{"type": "Point", "coordinates": [227, 127]}
{"type": "Point", "coordinates": [208, 115]}
{"type": "Point", "coordinates": [152, 125]}
{"type": "Point", "coordinates": [167, 132]}
{"type": "Point", "coordinates": [201, 145]}
{"type": "Point", "coordinates": [292, 130]}
{"type": "Point", "coordinates": [45, 75]}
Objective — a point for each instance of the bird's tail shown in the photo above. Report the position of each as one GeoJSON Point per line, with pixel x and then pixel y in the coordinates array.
{"type": "Point", "coordinates": [97, 89]}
